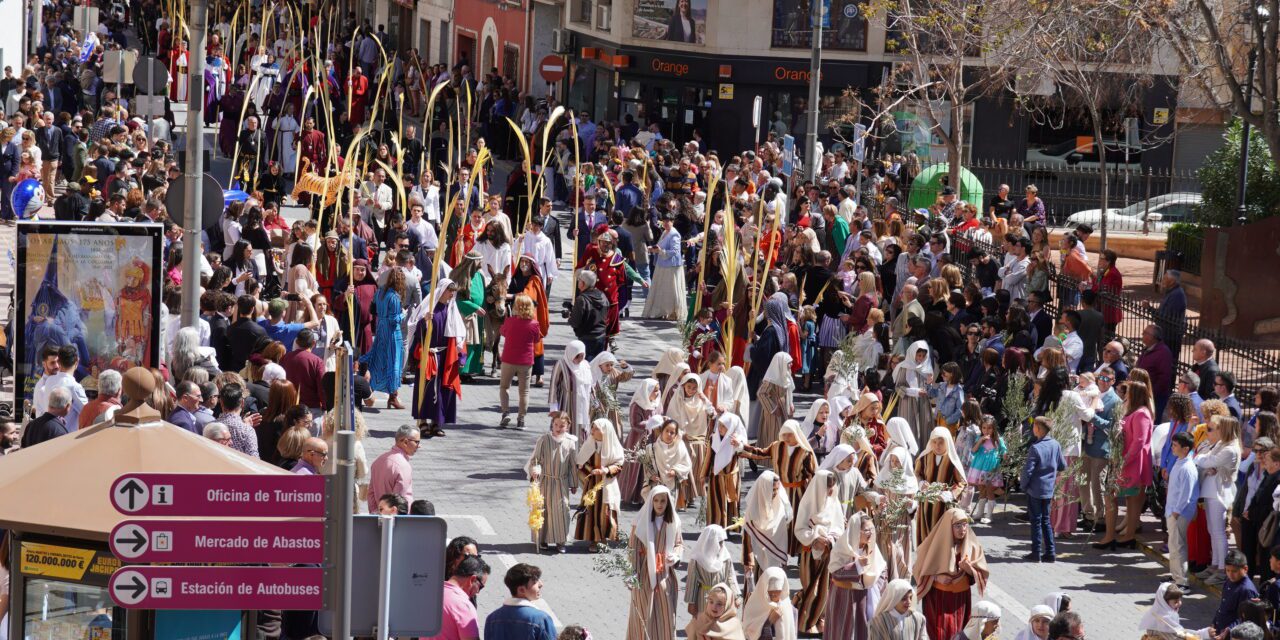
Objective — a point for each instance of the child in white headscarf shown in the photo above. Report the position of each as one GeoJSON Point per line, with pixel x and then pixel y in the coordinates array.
{"type": "Point", "coordinates": [1037, 624]}
{"type": "Point", "coordinates": [912, 377]}
{"type": "Point", "coordinates": [984, 622]}
{"type": "Point", "coordinates": [896, 479]}
{"type": "Point", "coordinates": [655, 546]}
{"type": "Point", "coordinates": [819, 523]}
{"type": "Point", "coordinates": [599, 460]}
{"type": "Point", "coordinates": [571, 386]}
{"type": "Point", "coordinates": [857, 571]}
{"type": "Point", "coordinates": [766, 526]}
{"type": "Point", "coordinates": [1161, 621]}
{"type": "Point", "coordinates": [710, 564]}
{"type": "Point", "coordinates": [895, 619]}
{"type": "Point", "coordinates": [770, 606]}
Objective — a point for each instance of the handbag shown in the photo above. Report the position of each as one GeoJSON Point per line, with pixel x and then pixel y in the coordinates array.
{"type": "Point", "coordinates": [1267, 532]}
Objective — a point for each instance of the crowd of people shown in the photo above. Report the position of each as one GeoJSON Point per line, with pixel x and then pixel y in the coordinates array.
{"type": "Point", "coordinates": [948, 369]}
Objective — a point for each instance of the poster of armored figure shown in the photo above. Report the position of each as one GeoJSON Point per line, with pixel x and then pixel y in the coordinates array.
{"type": "Point", "coordinates": [92, 285]}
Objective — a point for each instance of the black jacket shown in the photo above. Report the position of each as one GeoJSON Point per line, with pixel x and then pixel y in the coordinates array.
{"type": "Point", "coordinates": [71, 206]}
{"type": "Point", "coordinates": [1207, 370]}
{"type": "Point", "coordinates": [587, 316]}
{"type": "Point", "coordinates": [44, 428]}
{"type": "Point", "coordinates": [241, 336]}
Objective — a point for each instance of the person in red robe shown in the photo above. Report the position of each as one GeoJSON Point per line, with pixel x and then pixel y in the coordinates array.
{"type": "Point", "coordinates": [358, 91]}
{"type": "Point", "coordinates": [602, 258]}
{"type": "Point", "coordinates": [313, 146]}
{"type": "Point", "coordinates": [178, 66]}
{"type": "Point", "coordinates": [133, 315]}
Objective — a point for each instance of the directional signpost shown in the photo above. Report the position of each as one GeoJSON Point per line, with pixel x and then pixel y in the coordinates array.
{"type": "Point", "coordinates": [259, 542]}
{"type": "Point", "coordinates": [273, 542]}
{"type": "Point", "coordinates": [215, 495]}
{"type": "Point", "coordinates": [242, 588]}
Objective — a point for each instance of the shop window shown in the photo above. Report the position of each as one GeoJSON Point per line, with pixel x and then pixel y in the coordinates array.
{"type": "Point", "coordinates": [56, 609]}
{"type": "Point", "coordinates": [791, 28]}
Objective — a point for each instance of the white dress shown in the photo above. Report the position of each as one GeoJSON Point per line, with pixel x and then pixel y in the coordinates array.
{"type": "Point", "coordinates": [287, 127]}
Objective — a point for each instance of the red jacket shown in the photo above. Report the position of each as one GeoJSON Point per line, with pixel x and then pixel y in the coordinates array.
{"type": "Point", "coordinates": [1112, 283]}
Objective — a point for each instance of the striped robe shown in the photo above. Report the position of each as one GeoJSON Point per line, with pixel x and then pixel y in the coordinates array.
{"type": "Point", "coordinates": [637, 437]}
{"type": "Point", "coordinates": [724, 491]}
{"type": "Point", "coordinates": [795, 467]}
{"type": "Point", "coordinates": [557, 481]}
{"type": "Point", "coordinates": [604, 399]}
{"type": "Point", "coordinates": [928, 469]}
{"type": "Point", "coordinates": [849, 610]}
{"type": "Point", "coordinates": [653, 606]}
{"type": "Point", "coordinates": [598, 522]}
{"type": "Point", "coordinates": [698, 581]}
{"type": "Point", "coordinates": [774, 410]}
{"type": "Point", "coordinates": [811, 600]}
{"type": "Point", "coordinates": [888, 626]}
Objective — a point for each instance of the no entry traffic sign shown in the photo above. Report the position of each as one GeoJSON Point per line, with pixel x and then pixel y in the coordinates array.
{"type": "Point", "coordinates": [249, 542]}
{"type": "Point", "coordinates": [233, 588]}
{"type": "Point", "coordinates": [217, 495]}
{"type": "Point", "coordinates": [552, 68]}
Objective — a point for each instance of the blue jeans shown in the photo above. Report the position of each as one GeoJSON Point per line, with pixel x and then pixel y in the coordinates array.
{"type": "Point", "coordinates": [1038, 509]}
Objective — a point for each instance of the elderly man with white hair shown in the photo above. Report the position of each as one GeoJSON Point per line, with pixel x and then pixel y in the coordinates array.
{"type": "Point", "coordinates": [103, 407]}
{"type": "Point", "coordinates": [218, 432]}
{"type": "Point", "coordinates": [1113, 356]}
{"type": "Point", "coordinates": [52, 423]}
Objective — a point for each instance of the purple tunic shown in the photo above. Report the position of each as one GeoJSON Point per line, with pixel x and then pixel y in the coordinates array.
{"type": "Point", "coordinates": [439, 405]}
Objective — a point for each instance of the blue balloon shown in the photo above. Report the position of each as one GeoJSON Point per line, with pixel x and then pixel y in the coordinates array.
{"type": "Point", "coordinates": [233, 195]}
{"type": "Point", "coordinates": [27, 198]}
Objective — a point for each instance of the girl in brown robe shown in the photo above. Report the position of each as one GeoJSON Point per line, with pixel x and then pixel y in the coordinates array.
{"type": "Point", "coordinates": [794, 462]}
{"type": "Point", "coordinates": [599, 461]}
{"type": "Point", "coordinates": [938, 463]}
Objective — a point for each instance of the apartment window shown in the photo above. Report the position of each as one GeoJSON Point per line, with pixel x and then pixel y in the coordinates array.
{"type": "Point", "coordinates": [581, 11]}
{"type": "Point", "coordinates": [791, 28]}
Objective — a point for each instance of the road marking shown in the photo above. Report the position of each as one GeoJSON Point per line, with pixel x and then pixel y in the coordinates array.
{"type": "Point", "coordinates": [1009, 606]}
{"type": "Point", "coordinates": [507, 559]}
{"type": "Point", "coordinates": [481, 523]}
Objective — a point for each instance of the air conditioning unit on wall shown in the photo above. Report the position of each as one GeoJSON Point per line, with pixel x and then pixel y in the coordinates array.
{"type": "Point", "coordinates": [561, 41]}
{"type": "Point", "coordinates": [603, 17]}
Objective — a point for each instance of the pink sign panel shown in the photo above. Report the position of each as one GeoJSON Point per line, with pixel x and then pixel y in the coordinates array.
{"type": "Point", "coordinates": [218, 495]}
{"type": "Point", "coordinates": [231, 588]}
{"type": "Point", "coordinates": [234, 542]}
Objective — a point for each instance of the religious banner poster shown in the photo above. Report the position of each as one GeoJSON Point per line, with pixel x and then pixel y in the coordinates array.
{"type": "Point", "coordinates": [670, 20]}
{"type": "Point", "coordinates": [92, 285]}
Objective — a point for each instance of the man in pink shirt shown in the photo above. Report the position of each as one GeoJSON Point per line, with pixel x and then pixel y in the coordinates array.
{"type": "Point", "coordinates": [391, 472]}
{"type": "Point", "coordinates": [459, 619]}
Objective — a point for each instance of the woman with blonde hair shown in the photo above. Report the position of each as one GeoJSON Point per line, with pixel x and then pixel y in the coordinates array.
{"type": "Point", "coordinates": [521, 333]}
{"type": "Point", "coordinates": [1137, 472]}
{"type": "Point", "coordinates": [1218, 461]}
{"type": "Point", "coordinates": [293, 439]}
{"type": "Point", "coordinates": [951, 274]}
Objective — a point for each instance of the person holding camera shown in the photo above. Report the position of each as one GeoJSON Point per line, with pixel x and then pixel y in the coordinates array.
{"type": "Point", "coordinates": [587, 313]}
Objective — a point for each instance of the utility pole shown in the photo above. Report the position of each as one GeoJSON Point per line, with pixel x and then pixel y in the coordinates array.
{"type": "Point", "coordinates": [341, 499]}
{"type": "Point", "coordinates": [1242, 186]}
{"type": "Point", "coordinates": [815, 70]}
{"type": "Point", "coordinates": [193, 172]}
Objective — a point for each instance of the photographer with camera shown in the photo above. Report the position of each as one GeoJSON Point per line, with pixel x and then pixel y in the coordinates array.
{"type": "Point", "coordinates": [587, 313]}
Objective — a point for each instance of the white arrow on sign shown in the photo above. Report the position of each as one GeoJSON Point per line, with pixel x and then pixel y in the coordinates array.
{"type": "Point", "coordinates": [128, 587]}
{"type": "Point", "coordinates": [130, 541]}
{"type": "Point", "coordinates": [131, 495]}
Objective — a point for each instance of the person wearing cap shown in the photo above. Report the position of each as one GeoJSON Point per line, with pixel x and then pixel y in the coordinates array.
{"type": "Point", "coordinates": [949, 204]}
{"type": "Point", "coordinates": [72, 205]}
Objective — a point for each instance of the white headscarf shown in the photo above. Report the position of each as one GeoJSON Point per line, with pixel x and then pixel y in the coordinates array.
{"type": "Point", "coordinates": [454, 327]}
{"type": "Point", "coordinates": [811, 417]}
{"type": "Point", "coordinates": [645, 531]}
{"type": "Point", "coordinates": [917, 372]}
{"type": "Point", "coordinates": [836, 456]}
{"type": "Point", "coordinates": [710, 552]}
{"type": "Point", "coordinates": [767, 511]}
{"type": "Point", "coordinates": [597, 365]}
{"type": "Point", "coordinates": [688, 410]}
{"type": "Point", "coordinates": [819, 514]}
{"type": "Point", "coordinates": [902, 445]}
{"type": "Point", "coordinates": [581, 370]}
{"type": "Point", "coordinates": [1042, 611]}
{"type": "Point", "coordinates": [793, 427]}
{"type": "Point", "coordinates": [982, 612]}
{"type": "Point", "coordinates": [893, 593]}
{"type": "Point", "coordinates": [847, 547]}
{"type": "Point", "coordinates": [726, 446]}
{"type": "Point", "coordinates": [755, 615]}
{"type": "Point", "coordinates": [831, 432]}
{"type": "Point", "coordinates": [670, 358]}
{"type": "Point", "coordinates": [741, 397]}
{"type": "Point", "coordinates": [677, 374]}
{"type": "Point", "coordinates": [669, 457]}
{"type": "Point", "coordinates": [611, 451]}
{"type": "Point", "coordinates": [1160, 617]}
{"type": "Point", "coordinates": [1054, 601]}
{"type": "Point", "coordinates": [779, 372]}
{"type": "Point", "coordinates": [641, 395]}
{"type": "Point", "coordinates": [945, 434]}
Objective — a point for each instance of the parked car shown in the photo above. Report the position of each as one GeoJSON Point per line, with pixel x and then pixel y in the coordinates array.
{"type": "Point", "coordinates": [1069, 153]}
{"type": "Point", "coordinates": [1159, 212]}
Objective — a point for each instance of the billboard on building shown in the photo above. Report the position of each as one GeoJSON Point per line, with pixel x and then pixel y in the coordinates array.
{"type": "Point", "coordinates": [671, 20]}
{"type": "Point", "coordinates": [92, 285]}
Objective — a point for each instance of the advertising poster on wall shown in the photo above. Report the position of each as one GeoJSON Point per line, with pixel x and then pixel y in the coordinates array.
{"type": "Point", "coordinates": [94, 286]}
{"type": "Point", "coordinates": [670, 20]}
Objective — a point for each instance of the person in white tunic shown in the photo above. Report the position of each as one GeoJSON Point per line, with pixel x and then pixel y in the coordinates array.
{"type": "Point", "coordinates": [287, 129]}
{"type": "Point", "coordinates": [765, 524]}
{"type": "Point", "coordinates": [896, 479]}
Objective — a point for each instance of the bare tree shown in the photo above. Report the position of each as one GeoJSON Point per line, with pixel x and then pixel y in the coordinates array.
{"type": "Point", "coordinates": [1098, 56]}
{"type": "Point", "coordinates": [951, 55]}
{"type": "Point", "coordinates": [1214, 40]}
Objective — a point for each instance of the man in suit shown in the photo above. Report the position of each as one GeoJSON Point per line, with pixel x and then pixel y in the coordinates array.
{"type": "Point", "coordinates": [242, 335]}
{"type": "Point", "coordinates": [1172, 313]}
{"type": "Point", "coordinates": [1203, 365]}
{"type": "Point", "coordinates": [52, 423]}
{"type": "Point", "coordinates": [1090, 329]}
{"type": "Point", "coordinates": [1113, 356]}
{"type": "Point", "coordinates": [910, 307]}
{"type": "Point", "coordinates": [1039, 475]}
{"type": "Point", "coordinates": [1041, 321]}
{"type": "Point", "coordinates": [215, 308]}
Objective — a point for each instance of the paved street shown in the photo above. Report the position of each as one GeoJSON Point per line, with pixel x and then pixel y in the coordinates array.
{"type": "Point", "coordinates": [475, 479]}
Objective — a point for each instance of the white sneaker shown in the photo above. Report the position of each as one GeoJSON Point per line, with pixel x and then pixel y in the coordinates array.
{"type": "Point", "coordinates": [984, 520]}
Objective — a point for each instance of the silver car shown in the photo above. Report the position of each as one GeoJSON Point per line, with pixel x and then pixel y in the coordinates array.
{"type": "Point", "coordinates": [1159, 213]}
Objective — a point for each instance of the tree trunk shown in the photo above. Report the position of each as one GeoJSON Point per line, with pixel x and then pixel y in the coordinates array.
{"type": "Point", "coordinates": [955, 147]}
{"type": "Point", "coordinates": [1102, 167]}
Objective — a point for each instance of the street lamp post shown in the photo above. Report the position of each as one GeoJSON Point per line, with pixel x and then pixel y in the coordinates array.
{"type": "Point", "coordinates": [1242, 186]}
{"type": "Point", "coordinates": [815, 71]}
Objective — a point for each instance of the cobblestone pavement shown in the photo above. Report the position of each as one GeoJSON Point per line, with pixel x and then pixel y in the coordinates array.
{"type": "Point", "coordinates": [474, 477]}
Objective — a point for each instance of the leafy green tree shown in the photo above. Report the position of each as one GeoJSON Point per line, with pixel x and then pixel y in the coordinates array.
{"type": "Point", "coordinates": [1220, 173]}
